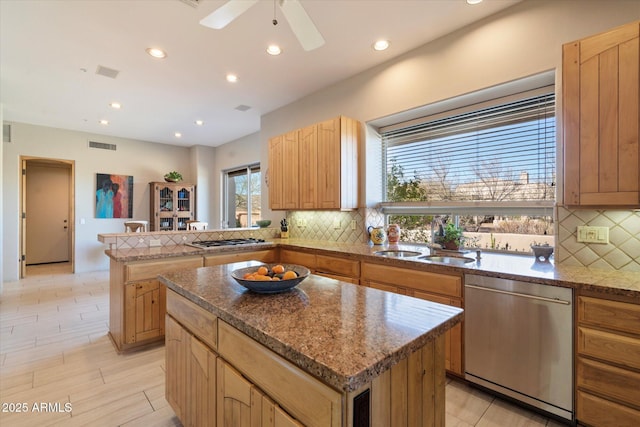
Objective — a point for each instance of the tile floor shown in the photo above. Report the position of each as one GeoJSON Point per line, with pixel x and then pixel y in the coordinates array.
{"type": "Point", "coordinates": [54, 351]}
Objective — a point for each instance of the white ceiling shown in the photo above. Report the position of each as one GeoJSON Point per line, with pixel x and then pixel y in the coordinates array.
{"type": "Point", "coordinates": [50, 50]}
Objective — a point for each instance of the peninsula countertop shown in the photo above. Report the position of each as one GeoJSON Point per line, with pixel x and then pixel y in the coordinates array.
{"type": "Point", "coordinates": [344, 334]}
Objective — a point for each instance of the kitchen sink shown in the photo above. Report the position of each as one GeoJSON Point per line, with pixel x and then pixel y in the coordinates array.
{"type": "Point", "coordinates": [452, 260]}
{"type": "Point", "coordinates": [398, 253]}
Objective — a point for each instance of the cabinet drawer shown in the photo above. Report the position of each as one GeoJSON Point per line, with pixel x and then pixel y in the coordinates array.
{"type": "Point", "coordinates": [300, 258]}
{"type": "Point", "coordinates": [266, 256]}
{"type": "Point", "coordinates": [594, 411]}
{"type": "Point", "coordinates": [200, 322]}
{"type": "Point", "coordinates": [151, 270]}
{"type": "Point", "coordinates": [614, 348]}
{"type": "Point", "coordinates": [304, 397]}
{"type": "Point", "coordinates": [609, 381]}
{"type": "Point", "coordinates": [421, 280]}
{"type": "Point", "coordinates": [338, 277]}
{"type": "Point", "coordinates": [345, 267]}
{"type": "Point", "coordinates": [608, 314]}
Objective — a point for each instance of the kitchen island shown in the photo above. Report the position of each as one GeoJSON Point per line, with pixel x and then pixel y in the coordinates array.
{"type": "Point", "coordinates": [326, 353]}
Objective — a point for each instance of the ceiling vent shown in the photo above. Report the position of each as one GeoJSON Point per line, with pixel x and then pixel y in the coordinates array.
{"type": "Point", "coordinates": [107, 72]}
{"type": "Point", "coordinates": [6, 132]}
{"type": "Point", "coordinates": [102, 146]}
{"type": "Point", "coordinates": [192, 3]}
{"type": "Point", "coordinates": [243, 108]}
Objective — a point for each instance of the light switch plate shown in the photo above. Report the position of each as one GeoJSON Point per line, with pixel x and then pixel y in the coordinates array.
{"type": "Point", "coordinates": [589, 234]}
{"type": "Point", "coordinates": [155, 243]}
{"type": "Point", "coordinates": [336, 224]}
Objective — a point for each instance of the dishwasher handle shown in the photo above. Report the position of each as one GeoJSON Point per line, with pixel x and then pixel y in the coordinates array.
{"type": "Point", "coordinates": [518, 294]}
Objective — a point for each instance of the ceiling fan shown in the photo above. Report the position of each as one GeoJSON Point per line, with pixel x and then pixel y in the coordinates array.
{"type": "Point", "coordinates": [299, 21]}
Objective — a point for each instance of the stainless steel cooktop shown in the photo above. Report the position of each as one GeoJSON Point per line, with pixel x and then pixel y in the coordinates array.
{"type": "Point", "coordinates": [204, 244]}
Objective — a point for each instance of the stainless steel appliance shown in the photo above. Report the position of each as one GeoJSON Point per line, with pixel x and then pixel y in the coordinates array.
{"type": "Point", "coordinates": [204, 244]}
{"type": "Point", "coordinates": [518, 341]}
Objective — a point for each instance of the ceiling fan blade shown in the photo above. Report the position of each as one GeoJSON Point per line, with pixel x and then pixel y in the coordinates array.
{"type": "Point", "coordinates": [226, 13]}
{"type": "Point", "coordinates": [301, 24]}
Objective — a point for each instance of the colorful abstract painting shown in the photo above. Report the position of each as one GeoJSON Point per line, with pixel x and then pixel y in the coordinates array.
{"type": "Point", "coordinates": [114, 196]}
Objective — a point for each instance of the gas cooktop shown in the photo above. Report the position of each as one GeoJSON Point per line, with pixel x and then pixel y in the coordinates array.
{"type": "Point", "coordinates": [203, 244]}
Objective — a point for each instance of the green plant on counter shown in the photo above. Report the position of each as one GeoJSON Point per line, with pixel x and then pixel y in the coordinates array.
{"type": "Point", "coordinates": [452, 237]}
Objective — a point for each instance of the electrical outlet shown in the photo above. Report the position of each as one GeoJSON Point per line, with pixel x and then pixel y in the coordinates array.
{"type": "Point", "coordinates": [588, 234]}
{"type": "Point", "coordinates": [353, 224]}
{"type": "Point", "coordinates": [302, 222]}
{"type": "Point", "coordinates": [336, 224]}
{"type": "Point", "coordinates": [155, 243]}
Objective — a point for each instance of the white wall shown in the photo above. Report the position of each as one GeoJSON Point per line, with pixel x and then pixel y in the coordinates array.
{"type": "Point", "coordinates": [238, 153]}
{"type": "Point", "coordinates": [520, 41]}
{"type": "Point", "coordinates": [145, 161]}
{"type": "Point", "coordinates": [202, 161]}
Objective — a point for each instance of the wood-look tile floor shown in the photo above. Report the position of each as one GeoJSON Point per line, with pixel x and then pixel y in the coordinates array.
{"type": "Point", "coordinates": [59, 368]}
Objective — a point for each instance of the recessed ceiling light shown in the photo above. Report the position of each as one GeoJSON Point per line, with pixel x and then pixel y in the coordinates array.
{"type": "Point", "coordinates": [274, 50]}
{"type": "Point", "coordinates": [381, 45]}
{"type": "Point", "coordinates": [474, 1]}
{"type": "Point", "coordinates": [156, 53]}
{"type": "Point", "coordinates": [178, 135]}
{"type": "Point", "coordinates": [115, 105]}
{"type": "Point", "coordinates": [199, 122]}
{"type": "Point", "coordinates": [232, 78]}
{"type": "Point", "coordinates": [104, 122]}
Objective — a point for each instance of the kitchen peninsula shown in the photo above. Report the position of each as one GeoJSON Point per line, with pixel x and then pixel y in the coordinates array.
{"type": "Point", "coordinates": [326, 353]}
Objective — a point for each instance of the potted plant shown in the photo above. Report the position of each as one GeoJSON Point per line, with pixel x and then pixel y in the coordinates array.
{"type": "Point", "coordinates": [452, 237]}
{"type": "Point", "coordinates": [173, 177]}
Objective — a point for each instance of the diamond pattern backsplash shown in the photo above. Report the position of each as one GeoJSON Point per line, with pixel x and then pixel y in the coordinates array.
{"type": "Point", "coordinates": [621, 253]}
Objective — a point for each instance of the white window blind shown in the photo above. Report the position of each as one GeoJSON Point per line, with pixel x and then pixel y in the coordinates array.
{"type": "Point", "coordinates": [502, 153]}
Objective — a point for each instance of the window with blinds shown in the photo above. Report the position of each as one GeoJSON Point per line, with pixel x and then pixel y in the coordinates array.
{"type": "Point", "coordinates": [496, 154]}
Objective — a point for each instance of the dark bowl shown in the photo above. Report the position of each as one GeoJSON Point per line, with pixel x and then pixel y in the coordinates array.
{"type": "Point", "coordinates": [270, 287]}
{"type": "Point", "coordinates": [263, 223]}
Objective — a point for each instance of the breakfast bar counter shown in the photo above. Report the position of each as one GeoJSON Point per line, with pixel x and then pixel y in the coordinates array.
{"type": "Point", "coordinates": [348, 344]}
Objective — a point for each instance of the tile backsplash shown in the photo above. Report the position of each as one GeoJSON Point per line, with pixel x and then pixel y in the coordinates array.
{"type": "Point", "coordinates": [621, 253]}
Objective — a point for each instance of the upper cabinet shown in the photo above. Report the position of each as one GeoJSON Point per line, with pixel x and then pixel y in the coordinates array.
{"type": "Point", "coordinates": [172, 205]}
{"type": "Point", "coordinates": [315, 167]}
{"type": "Point", "coordinates": [601, 98]}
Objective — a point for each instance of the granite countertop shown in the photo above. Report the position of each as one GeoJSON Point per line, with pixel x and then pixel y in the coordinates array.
{"type": "Point", "coordinates": [144, 253]}
{"type": "Point", "coordinates": [507, 266]}
{"type": "Point", "coordinates": [342, 333]}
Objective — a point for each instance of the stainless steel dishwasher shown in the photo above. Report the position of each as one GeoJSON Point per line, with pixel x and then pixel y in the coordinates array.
{"type": "Point", "coordinates": [518, 341]}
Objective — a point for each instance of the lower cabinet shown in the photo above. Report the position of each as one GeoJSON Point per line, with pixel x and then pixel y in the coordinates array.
{"type": "Point", "coordinates": [608, 362]}
{"type": "Point", "coordinates": [435, 287]}
{"type": "Point", "coordinates": [190, 376]}
{"type": "Point", "coordinates": [266, 256]}
{"type": "Point", "coordinates": [137, 300]}
{"type": "Point", "coordinates": [201, 387]}
{"type": "Point", "coordinates": [242, 404]}
{"type": "Point", "coordinates": [144, 310]}
{"type": "Point", "coordinates": [339, 268]}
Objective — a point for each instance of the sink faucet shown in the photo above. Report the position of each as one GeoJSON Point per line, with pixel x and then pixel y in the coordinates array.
{"type": "Point", "coordinates": [433, 247]}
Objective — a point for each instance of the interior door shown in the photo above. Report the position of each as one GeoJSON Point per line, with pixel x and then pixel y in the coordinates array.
{"type": "Point", "coordinates": [47, 212]}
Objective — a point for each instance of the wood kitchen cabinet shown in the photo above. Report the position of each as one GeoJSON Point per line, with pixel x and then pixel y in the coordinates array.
{"type": "Point", "coordinates": [172, 205]}
{"type": "Point", "coordinates": [243, 405]}
{"type": "Point", "coordinates": [339, 268]}
{"type": "Point", "coordinates": [137, 303]}
{"type": "Point", "coordinates": [283, 172]}
{"type": "Point", "coordinates": [204, 389]}
{"type": "Point", "coordinates": [608, 361]}
{"type": "Point", "coordinates": [266, 256]}
{"type": "Point", "coordinates": [436, 287]}
{"type": "Point", "coordinates": [601, 103]}
{"type": "Point", "coordinates": [315, 167]}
